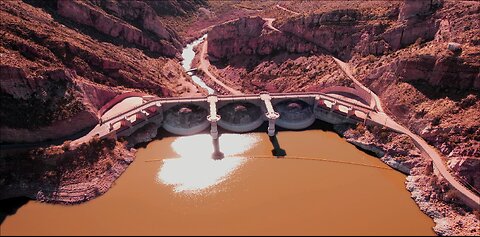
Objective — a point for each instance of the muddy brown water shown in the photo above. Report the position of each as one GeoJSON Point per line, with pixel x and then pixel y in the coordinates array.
{"type": "Point", "coordinates": [324, 186]}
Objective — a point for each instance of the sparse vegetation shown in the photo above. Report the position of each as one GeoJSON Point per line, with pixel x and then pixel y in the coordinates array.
{"type": "Point", "coordinates": [38, 111]}
{"type": "Point", "coordinates": [66, 145]}
{"type": "Point", "coordinates": [436, 121]}
{"type": "Point", "coordinates": [48, 167]}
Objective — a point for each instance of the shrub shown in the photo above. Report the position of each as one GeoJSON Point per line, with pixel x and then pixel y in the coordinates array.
{"type": "Point", "coordinates": [436, 121]}
{"type": "Point", "coordinates": [109, 165]}
{"type": "Point", "coordinates": [66, 145]}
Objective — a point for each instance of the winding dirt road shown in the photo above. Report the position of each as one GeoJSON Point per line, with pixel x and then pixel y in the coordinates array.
{"type": "Point", "coordinates": [269, 24]}
{"type": "Point", "coordinates": [469, 197]}
{"type": "Point", "coordinates": [288, 10]}
{"type": "Point", "coordinates": [204, 66]}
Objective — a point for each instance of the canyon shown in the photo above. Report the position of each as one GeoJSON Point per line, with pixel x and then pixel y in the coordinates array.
{"type": "Point", "coordinates": [403, 58]}
{"type": "Point", "coordinates": [62, 61]}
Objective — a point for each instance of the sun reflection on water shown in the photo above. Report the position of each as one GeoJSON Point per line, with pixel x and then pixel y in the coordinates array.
{"type": "Point", "coordinates": [195, 170]}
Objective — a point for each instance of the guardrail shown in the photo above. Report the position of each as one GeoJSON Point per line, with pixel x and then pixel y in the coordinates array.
{"type": "Point", "coordinates": [223, 97]}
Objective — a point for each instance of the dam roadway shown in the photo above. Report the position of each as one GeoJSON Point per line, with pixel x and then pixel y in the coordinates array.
{"type": "Point", "coordinates": [153, 110]}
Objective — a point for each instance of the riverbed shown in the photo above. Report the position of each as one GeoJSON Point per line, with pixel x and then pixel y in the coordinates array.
{"type": "Point", "coordinates": [322, 186]}
{"type": "Point", "coordinates": [188, 54]}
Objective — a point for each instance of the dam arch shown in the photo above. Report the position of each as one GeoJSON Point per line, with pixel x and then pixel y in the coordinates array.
{"type": "Point", "coordinates": [295, 113]}
{"type": "Point", "coordinates": [185, 118]}
{"type": "Point", "coordinates": [241, 116]}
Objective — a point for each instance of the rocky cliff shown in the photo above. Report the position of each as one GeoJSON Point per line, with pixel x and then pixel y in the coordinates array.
{"type": "Point", "coordinates": [142, 27]}
{"type": "Point", "coordinates": [422, 59]}
{"type": "Point", "coordinates": [248, 36]}
{"type": "Point", "coordinates": [61, 174]}
{"type": "Point", "coordinates": [342, 32]}
{"type": "Point", "coordinates": [62, 60]}
{"type": "Point", "coordinates": [434, 89]}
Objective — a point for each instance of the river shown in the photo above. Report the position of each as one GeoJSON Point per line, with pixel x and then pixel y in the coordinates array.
{"type": "Point", "coordinates": [188, 54]}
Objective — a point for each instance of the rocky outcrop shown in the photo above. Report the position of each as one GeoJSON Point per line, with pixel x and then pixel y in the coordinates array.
{"type": "Point", "coordinates": [249, 36]}
{"type": "Point", "coordinates": [144, 134]}
{"type": "Point", "coordinates": [441, 71]}
{"type": "Point", "coordinates": [56, 73]}
{"type": "Point", "coordinates": [466, 167]}
{"type": "Point", "coordinates": [434, 197]}
{"type": "Point", "coordinates": [63, 175]}
{"type": "Point", "coordinates": [420, 8]}
{"type": "Point", "coordinates": [59, 129]}
{"type": "Point", "coordinates": [337, 32]}
{"type": "Point", "coordinates": [405, 34]}
{"type": "Point", "coordinates": [342, 33]}
{"type": "Point", "coordinates": [164, 43]}
{"type": "Point", "coordinates": [53, 97]}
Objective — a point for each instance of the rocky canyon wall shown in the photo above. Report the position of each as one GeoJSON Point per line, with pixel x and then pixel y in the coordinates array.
{"type": "Point", "coordinates": [342, 33]}
{"type": "Point", "coordinates": [420, 57]}
{"type": "Point", "coordinates": [434, 89]}
{"type": "Point", "coordinates": [150, 32]}
{"type": "Point", "coordinates": [62, 60]}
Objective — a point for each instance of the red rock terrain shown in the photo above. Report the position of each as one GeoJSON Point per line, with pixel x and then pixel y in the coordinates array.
{"type": "Point", "coordinates": [435, 91]}
{"type": "Point", "coordinates": [62, 60]}
{"type": "Point", "coordinates": [421, 57]}
{"type": "Point", "coordinates": [61, 174]}
{"type": "Point", "coordinates": [399, 51]}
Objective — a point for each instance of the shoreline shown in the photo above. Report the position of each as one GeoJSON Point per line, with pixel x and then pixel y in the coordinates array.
{"type": "Point", "coordinates": [428, 198]}
{"type": "Point", "coordinates": [425, 197]}
{"type": "Point", "coordinates": [432, 195]}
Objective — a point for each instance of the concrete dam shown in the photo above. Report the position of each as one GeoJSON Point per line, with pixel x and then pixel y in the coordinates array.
{"type": "Point", "coordinates": [235, 113]}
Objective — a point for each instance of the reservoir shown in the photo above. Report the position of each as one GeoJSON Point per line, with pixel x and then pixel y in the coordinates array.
{"type": "Point", "coordinates": [321, 186]}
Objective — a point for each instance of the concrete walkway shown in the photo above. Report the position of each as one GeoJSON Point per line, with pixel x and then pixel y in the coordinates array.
{"type": "Point", "coordinates": [125, 104]}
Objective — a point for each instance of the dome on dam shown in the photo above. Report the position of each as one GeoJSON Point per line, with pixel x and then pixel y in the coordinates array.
{"type": "Point", "coordinates": [294, 110]}
{"type": "Point", "coordinates": [240, 113]}
{"type": "Point", "coordinates": [185, 116]}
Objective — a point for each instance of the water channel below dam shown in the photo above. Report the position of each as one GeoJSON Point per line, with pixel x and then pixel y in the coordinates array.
{"type": "Point", "coordinates": [323, 186]}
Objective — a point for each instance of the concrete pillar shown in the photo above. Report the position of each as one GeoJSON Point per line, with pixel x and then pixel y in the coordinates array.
{"type": "Point", "coordinates": [271, 126]}
{"type": "Point", "coordinates": [334, 106]}
{"type": "Point", "coordinates": [213, 118]}
{"type": "Point", "coordinates": [270, 114]}
{"type": "Point", "coordinates": [213, 126]}
{"type": "Point", "coordinates": [350, 112]}
{"type": "Point", "coordinates": [125, 122]}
